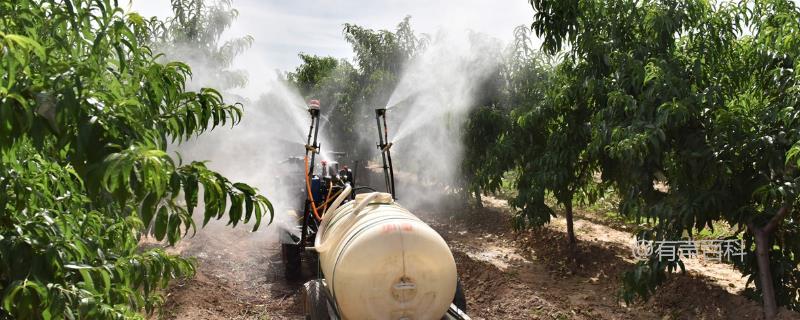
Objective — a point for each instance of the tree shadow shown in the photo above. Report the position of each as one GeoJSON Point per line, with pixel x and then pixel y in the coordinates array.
{"type": "Point", "coordinates": [684, 295]}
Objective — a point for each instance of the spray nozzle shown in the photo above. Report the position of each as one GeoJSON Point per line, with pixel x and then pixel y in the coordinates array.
{"type": "Point", "coordinates": [387, 146]}
{"type": "Point", "coordinates": [313, 107]}
{"type": "Point", "coordinates": [313, 149]}
{"type": "Point", "coordinates": [380, 112]}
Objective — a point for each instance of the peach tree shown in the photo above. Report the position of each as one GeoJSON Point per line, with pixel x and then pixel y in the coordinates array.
{"type": "Point", "coordinates": [693, 114]}
{"type": "Point", "coordinates": [86, 113]}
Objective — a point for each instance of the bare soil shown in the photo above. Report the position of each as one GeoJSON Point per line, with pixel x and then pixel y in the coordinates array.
{"type": "Point", "coordinates": [506, 274]}
{"type": "Point", "coordinates": [239, 276]}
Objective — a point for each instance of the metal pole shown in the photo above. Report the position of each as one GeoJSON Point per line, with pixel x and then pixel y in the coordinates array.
{"type": "Point", "coordinates": [389, 156]}
{"type": "Point", "coordinates": [311, 146]}
{"type": "Point", "coordinates": [378, 114]}
{"type": "Point", "coordinates": [315, 146]}
{"type": "Point", "coordinates": [355, 177]}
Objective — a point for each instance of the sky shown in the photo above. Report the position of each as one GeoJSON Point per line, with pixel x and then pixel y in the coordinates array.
{"type": "Point", "coordinates": [283, 28]}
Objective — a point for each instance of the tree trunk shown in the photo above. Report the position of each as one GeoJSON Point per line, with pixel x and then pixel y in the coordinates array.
{"type": "Point", "coordinates": [763, 246]}
{"type": "Point", "coordinates": [765, 273]}
{"type": "Point", "coordinates": [570, 229]}
{"type": "Point", "coordinates": [464, 196]}
{"type": "Point", "coordinates": [478, 198]}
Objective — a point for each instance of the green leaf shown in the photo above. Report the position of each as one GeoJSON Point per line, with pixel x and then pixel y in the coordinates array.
{"type": "Point", "coordinates": [794, 154]}
{"type": "Point", "coordinates": [162, 219]}
{"type": "Point", "coordinates": [87, 279]}
{"type": "Point", "coordinates": [190, 192]}
{"type": "Point", "coordinates": [174, 229]}
{"type": "Point", "coordinates": [148, 208]}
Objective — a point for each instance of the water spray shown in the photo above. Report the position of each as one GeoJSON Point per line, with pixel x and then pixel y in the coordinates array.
{"type": "Point", "coordinates": [384, 145]}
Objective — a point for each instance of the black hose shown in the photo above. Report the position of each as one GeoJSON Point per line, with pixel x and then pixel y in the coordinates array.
{"type": "Point", "coordinates": [364, 187]}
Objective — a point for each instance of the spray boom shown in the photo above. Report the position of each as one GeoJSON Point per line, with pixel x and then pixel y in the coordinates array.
{"type": "Point", "coordinates": [384, 145]}
{"type": "Point", "coordinates": [312, 145]}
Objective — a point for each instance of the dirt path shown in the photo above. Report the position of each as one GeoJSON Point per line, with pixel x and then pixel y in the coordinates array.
{"type": "Point", "coordinates": [523, 275]}
{"type": "Point", "coordinates": [506, 275]}
{"type": "Point", "coordinates": [239, 276]}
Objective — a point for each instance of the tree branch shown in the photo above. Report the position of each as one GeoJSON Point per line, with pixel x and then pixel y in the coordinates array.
{"type": "Point", "coordinates": [782, 212]}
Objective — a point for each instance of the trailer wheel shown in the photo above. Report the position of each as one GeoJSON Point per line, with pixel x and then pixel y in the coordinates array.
{"type": "Point", "coordinates": [292, 264]}
{"type": "Point", "coordinates": [460, 300]}
{"type": "Point", "coordinates": [315, 304]}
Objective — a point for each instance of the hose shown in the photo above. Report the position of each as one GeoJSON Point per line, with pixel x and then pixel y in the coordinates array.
{"type": "Point", "coordinates": [364, 203]}
{"type": "Point", "coordinates": [364, 188]}
{"type": "Point", "coordinates": [351, 219]}
{"type": "Point", "coordinates": [328, 197]}
{"type": "Point", "coordinates": [342, 195]}
{"type": "Point", "coordinates": [329, 201]}
{"type": "Point", "coordinates": [310, 196]}
{"type": "Point", "coordinates": [327, 217]}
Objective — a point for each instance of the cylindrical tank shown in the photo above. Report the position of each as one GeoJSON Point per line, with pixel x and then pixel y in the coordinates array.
{"type": "Point", "coordinates": [382, 262]}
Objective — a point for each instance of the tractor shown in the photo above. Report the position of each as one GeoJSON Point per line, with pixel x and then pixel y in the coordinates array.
{"type": "Point", "coordinates": [367, 257]}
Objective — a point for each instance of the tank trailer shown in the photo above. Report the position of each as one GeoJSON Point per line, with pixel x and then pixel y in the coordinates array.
{"type": "Point", "coordinates": [369, 257]}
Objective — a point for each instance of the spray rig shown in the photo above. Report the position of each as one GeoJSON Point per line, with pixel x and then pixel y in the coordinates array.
{"type": "Point", "coordinates": [366, 256]}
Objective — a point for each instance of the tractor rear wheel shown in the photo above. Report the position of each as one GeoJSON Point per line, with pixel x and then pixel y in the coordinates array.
{"type": "Point", "coordinates": [460, 300]}
{"type": "Point", "coordinates": [315, 305]}
{"type": "Point", "coordinates": [292, 261]}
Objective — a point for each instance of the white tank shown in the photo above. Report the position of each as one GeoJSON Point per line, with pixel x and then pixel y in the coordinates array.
{"type": "Point", "coordinates": [382, 262]}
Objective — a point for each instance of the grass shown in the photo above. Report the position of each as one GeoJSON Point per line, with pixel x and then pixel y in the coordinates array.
{"type": "Point", "coordinates": [508, 188]}
{"type": "Point", "coordinates": [606, 207]}
{"type": "Point", "coordinates": [721, 230]}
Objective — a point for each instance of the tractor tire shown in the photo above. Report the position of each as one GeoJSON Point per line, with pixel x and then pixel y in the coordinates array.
{"type": "Point", "coordinates": [315, 304]}
{"type": "Point", "coordinates": [292, 261]}
{"type": "Point", "coordinates": [460, 300]}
